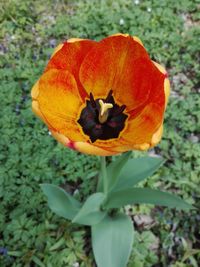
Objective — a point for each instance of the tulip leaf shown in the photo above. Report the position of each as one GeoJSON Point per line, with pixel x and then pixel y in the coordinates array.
{"type": "Point", "coordinates": [100, 179]}
{"type": "Point", "coordinates": [145, 195]}
{"type": "Point", "coordinates": [114, 168]}
{"type": "Point", "coordinates": [136, 170]}
{"type": "Point", "coordinates": [113, 171]}
{"type": "Point", "coordinates": [112, 241]}
{"type": "Point", "coordinates": [60, 202]}
{"type": "Point", "coordinates": [91, 213]}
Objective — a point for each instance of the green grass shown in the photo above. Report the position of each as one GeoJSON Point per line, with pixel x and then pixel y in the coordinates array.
{"type": "Point", "coordinates": [30, 233]}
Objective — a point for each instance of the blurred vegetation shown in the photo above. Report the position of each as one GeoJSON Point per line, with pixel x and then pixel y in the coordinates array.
{"type": "Point", "coordinates": [30, 235]}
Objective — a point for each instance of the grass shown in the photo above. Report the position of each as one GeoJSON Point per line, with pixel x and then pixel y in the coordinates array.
{"type": "Point", "coordinates": [30, 235]}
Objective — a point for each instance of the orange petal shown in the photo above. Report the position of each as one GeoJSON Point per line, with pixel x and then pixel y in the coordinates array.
{"type": "Point", "coordinates": [142, 147]}
{"type": "Point", "coordinates": [72, 40]}
{"type": "Point", "coordinates": [126, 35]}
{"type": "Point", "coordinates": [157, 90]}
{"type": "Point", "coordinates": [57, 49]}
{"type": "Point", "coordinates": [59, 102]}
{"type": "Point", "coordinates": [166, 82]}
{"type": "Point", "coordinates": [157, 136]}
{"type": "Point", "coordinates": [138, 40]}
{"type": "Point", "coordinates": [140, 129]}
{"type": "Point", "coordinates": [37, 111]}
{"type": "Point", "coordinates": [82, 147]}
{"type": "Point", "coordinates": [120, 34]}
{"type": "Point", "coordinates": [70, 57]}
{"type": "Point", "coordinates": [119, 63]}
{"type": "Point", "coordinates": [120, 146]}
{"type": "Point", "coordinates": [88, 148]}
{"type": "Point", "coordinates": [160, 67]}
{"type": "Point", "coordinates": [167, 90]}
{"type": "Point", "coordinates": [35, 90]}
{"type": "Point", "coordinates": [157, 94]}
{"type": "Point", "coordinates": [60, 137]}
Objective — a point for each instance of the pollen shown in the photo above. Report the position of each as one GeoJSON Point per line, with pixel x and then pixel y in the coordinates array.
{"type": "Point", "coordinates": [104, 111]}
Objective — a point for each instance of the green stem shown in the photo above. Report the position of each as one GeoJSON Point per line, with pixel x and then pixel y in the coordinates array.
{"type": "Point", "coordinates": [104, 175]}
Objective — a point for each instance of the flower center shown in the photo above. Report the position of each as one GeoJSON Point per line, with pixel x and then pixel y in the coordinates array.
{"type": "Point", "coordinates": [102, 118]}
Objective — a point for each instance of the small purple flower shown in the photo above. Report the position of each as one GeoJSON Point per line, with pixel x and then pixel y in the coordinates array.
{"type": "Point", "coordinates": [3, 251]}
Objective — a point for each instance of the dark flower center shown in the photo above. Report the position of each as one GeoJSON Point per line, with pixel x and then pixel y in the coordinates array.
{"type": "Point", "coordinates": [102, 118]}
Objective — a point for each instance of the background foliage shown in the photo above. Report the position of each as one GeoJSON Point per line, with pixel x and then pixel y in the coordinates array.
{"type": "Point", "coordinates": [30, 235]}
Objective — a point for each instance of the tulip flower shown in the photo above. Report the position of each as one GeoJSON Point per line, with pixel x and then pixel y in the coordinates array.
{"type": "Point", "coordinates": [103, 98]}
{"type": "Point", "coordinates": [106, 98]}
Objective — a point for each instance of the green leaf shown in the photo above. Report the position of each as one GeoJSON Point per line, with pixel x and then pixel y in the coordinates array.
{"type": "Point", "coordinates": [113, 171]}
{"type": "Point", "coordinates": [37, 261]}
{"type": "Point", "coordinates": [112, 241]}
{"type": "Point", "coordinates": [90, 212]}
{"type": "Point", "coordinates": [115, 167]}
{"type": "Point", "coordinates": [136, 170]}
{"type": "Point", "coordinates": [145, 195]}
{"type": "Point", "coordinates": [60, 202]}
{"type": "Point", "coordinates": [100, 178]}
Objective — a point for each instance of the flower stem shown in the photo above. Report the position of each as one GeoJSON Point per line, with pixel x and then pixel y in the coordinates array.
{"type": "Point", "coordinates": [104, 175]}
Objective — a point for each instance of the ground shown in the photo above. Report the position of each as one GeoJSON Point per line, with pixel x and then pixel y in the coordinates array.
{"type": "Point", "coordinates": [30, 234]}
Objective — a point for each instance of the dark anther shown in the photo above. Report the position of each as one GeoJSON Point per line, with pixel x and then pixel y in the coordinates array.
{"type": "Point", "coordinates": [93, 104]}
{"type": "Point", "coordinates": [109, 97]}
{"type": "Point", "coordinates": [111, 127]}
{"type": "Point", "coordinates": [119, 110]}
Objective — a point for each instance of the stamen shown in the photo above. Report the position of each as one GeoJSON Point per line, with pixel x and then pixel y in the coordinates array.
{"type": "Point", "coordinates": [92, 101]}
{"type": "Point", "coordinates": [108, 98]}
{"type": "Point", "coordinates": [103, 114]}
{"type": "Point", "coordinates": [119, 110]}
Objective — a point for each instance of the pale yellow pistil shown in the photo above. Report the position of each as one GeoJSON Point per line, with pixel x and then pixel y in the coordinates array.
{"type": "Point", "coordinates": [103, 114]}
